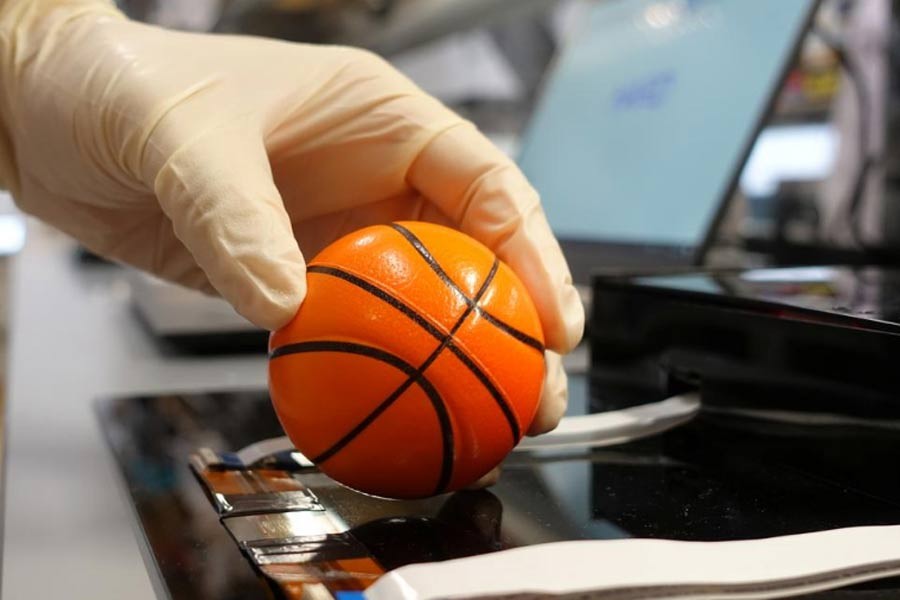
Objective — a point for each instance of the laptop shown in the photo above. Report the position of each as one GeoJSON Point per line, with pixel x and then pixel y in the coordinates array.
{"type": "Point", "coordinates": [646, 120]}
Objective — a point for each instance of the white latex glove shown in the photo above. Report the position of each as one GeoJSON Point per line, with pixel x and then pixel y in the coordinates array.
{"type": "Point", "coordinates": [214, 161]}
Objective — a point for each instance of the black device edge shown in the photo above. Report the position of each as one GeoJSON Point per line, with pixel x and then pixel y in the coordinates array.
{"type": "Point", "coordinates": [725, 201]}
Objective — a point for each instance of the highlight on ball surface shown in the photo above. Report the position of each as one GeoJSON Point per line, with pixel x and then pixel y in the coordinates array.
{"type": "Point", "coordinates": [414, 365]}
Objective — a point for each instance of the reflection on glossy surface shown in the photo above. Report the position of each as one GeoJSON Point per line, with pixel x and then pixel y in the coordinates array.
{"type": "Point", "coordinates": [468, 523]}
{"type": "Point", "coordinates": [721, 477]}
{"type": "Point", "coordinates": [866, 293]}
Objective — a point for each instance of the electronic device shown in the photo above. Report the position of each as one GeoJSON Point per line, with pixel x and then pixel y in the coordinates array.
{"type": "Point", "coordinates": [815, 342]}
{"type": "Point", "coordinates": [647, 120]}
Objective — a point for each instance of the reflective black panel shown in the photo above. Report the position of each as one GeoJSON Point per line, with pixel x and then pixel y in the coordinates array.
{"type": "Point", "coordinates": [720, 477]}
{"type": "Point", "coordinates": [872, 294]}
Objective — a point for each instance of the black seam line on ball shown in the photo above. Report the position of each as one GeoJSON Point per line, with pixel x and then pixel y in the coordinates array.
{"type": "Point", "coordinates": [447, 340]}
{"type": "Point", "coordinates": [496, 394]}
{"type": "Point", "coordinates": [380, 294]}
{"type": "Point", "coordinates": [413, 376]}
{"type": "Point", "coordinates": [492, 390]}
{"type": "Point", "coordinates": [436, 267]}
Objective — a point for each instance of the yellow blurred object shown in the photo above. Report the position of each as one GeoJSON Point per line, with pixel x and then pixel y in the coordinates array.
{"type": "Point", "coordinates": [822, 85]}
{"type": "Point", "coordinates": [213, 161]}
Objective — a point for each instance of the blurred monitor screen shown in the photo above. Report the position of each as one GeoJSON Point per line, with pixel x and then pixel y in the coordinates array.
{"type": "Point", "coordinates": [650, 113]}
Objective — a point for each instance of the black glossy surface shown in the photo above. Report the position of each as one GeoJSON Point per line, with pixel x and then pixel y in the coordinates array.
{"type": "Point", "coordinates": [817, 340]}
{"type": "Point", "coordinates": [872, 294]}
{"type": "Point", "coordinates": [720, 477]}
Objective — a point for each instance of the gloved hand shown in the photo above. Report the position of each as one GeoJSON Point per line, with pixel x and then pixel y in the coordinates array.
{"type": "Point", "coordinates": [213, 161]}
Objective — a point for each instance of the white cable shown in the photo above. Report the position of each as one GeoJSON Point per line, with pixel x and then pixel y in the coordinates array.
{"type": "Point", "coordinates": [617, 427]}
{"type": "Point", "coordinates": [584, 431]}
{"type": "Point", "coordinates": [642, 569]}
{"type": "Point", "coordinates": [264, 448]}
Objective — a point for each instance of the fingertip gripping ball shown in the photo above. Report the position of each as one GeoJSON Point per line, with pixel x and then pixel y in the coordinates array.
{"type": "Point", "coordinates": [414, 364]}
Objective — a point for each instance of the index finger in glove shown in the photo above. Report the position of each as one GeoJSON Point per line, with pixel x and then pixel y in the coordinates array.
{"type": "Point", "coordinates": [488, 197]}
{"type": "Point", "coordinates": [224, 207]}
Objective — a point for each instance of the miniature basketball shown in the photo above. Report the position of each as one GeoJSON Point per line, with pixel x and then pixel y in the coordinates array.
{"type": "Point", "coordinates": [414, 364]}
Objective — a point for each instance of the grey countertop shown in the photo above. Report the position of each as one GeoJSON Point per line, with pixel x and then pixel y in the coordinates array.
{"type": "Point", "coordinates": [68, 530]}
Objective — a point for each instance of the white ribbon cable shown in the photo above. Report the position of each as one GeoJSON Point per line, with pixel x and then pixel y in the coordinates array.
{"type": "Point", "coordinates": [264, 448]}
{"type": "Point", "coordinates": [642, 569]}
{"type": "Point", "coordinates": [617, 427]}
{"type": "Point", "coordinates": [584, 431]}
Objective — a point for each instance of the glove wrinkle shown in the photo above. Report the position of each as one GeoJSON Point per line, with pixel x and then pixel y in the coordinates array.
{"type": "Point", "coordinates": [146, 141]}
{"type": "Point", "coordinates": [506, 214]}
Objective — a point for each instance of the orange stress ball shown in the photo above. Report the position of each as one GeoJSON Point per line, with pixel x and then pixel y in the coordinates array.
{"type": "Point", "coordinates": [414, 365]}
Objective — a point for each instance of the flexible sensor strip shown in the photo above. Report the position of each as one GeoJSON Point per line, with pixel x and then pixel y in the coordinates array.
{"type": "Point", "coordinates": [645, 569]}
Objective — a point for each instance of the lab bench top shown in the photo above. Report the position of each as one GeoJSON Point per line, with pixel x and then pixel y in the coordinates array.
{"type": "Point", "coordinates": [67, 528]}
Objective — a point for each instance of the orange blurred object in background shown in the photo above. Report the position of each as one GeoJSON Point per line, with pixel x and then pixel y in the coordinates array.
{"type": "Point", "coordinates": [414, 365]}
